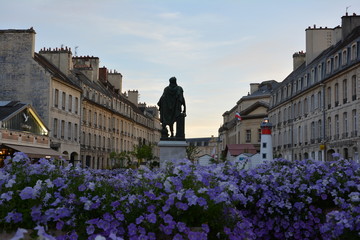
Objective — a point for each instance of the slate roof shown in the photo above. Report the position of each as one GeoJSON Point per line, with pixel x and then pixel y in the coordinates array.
{"type": "Point", "coordinates": [55, 71]}
{"type": "Point", "coordinates": [8, 108]}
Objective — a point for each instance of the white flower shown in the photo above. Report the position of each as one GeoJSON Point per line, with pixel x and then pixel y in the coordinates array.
{"type": "Point", "coordinates": [354, 196]}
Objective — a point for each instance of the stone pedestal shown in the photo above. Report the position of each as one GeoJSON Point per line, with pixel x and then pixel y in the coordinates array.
{"type": "Point", "coordinates": [171, 151]}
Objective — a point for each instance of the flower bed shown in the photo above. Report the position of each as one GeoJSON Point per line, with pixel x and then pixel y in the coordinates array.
{"type": "Point", "coordinates": [277, 200]}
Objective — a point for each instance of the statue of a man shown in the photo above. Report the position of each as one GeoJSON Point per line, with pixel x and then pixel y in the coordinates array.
{"type": "Point", "coordinates": [172, 109]}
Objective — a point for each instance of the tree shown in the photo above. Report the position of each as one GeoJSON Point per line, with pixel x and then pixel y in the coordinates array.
{"type": "Point", "coordinates": [121, 159]}
{"type": "Point", "coordinates": [143, 153]}
{"type": "Point", "coordinates": [192, 152]}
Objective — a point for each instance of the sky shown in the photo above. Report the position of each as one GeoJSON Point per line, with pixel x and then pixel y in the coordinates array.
{"type": "Point", "coordinates": [215, 48]}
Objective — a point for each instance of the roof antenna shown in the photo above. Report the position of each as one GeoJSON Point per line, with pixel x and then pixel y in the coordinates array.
{"type": "Point", "coordinates": [347, 9]}
{"type": "Point", "coordinates": [76, 47]}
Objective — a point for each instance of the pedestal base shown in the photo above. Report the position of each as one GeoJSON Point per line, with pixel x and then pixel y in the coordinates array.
{"type": "Point", "coordinates": [171, 151]}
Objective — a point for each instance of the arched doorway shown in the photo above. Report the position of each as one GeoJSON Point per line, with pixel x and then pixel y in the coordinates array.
{"type": "Point", "coordinates": [73, 157]}
{"type": "Point", "coordinates": [346, 153]}
{"type": "Point", "coordinates": [329, 154]}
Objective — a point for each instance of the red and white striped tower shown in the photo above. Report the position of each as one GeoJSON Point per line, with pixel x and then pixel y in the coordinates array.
{"type": "Point", "coordinates": [266, 148]}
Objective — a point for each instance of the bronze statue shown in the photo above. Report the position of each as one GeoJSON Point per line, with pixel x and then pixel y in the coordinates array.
{"type": "Point", "coordinates": [172, 109]}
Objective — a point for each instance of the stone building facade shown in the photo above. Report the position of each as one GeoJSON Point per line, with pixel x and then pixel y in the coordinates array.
{"type": "Point", "coordinates": [315, 109]}
{"type": "Point", "coordinates": [252, 110]}
{"type": "Point", "coordinates": [87, 114]}
{"type": "Point", "coordinates": [28, 77]}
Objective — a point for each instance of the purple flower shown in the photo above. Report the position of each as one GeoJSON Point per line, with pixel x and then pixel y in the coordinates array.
{"type": "Point", "coordinates": [82, 188]}
{"type": "Point", "coordinates": [151, 217]}
{"type": "Point", "coordinates": [182, 206]}
{"type": "Point", "coordinates": [13, 217]}
{"type": "Point", "coordinates": [119, 216]}
{"type": "Point", "coordinates": [27, 193]}
{"type": "Point", "coordinates": [90, 229]}
{"type": "Point", "coordinates": [139, 220]}
{"type": "Point", "coordinates": [181, 226]}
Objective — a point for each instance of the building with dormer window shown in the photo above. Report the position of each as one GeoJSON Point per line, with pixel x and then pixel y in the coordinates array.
{"type": "Point", "coordinates": [320, 115]}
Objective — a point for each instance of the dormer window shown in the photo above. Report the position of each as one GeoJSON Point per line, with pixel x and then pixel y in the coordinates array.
{"type": "Point", "coordinates": [353, 51]}
{"type": "Point", "coordinates": [336, 61]}
{"type": "Point", "coordinates": [312, 76]}
{"type": "Point", "coordinates": [344, 57]}
{"type": "Point", "coordinates": [328, 66]}
{"type": "Point", "coordinates": [319, 72]}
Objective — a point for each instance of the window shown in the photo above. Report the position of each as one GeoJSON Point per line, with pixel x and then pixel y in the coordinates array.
{"type": "Point", "coordinates": [76, 132]}
{"type": "Point", "coordinates": [328, 66]}
{"type": "Point", "coordinates": [89, 117]}
{"type": "Point", "coordinates": [337, 126]}
{"type": "Point", "coordinates": [345, 90]}
{"type": "Point", "coordinates": [328, 93]}
{"type": "Point", "coordinates": [319, 72]}
{"type": "Point", "coordinates": [300, 135]}
{"type": "Point", "coordinates": [76, 105]}
{"type": "Point", "coordinates": [312, 133]}
{"type": "Point", "coordinates": [95, 118]}
{"type": "Point", "coordinates": [354, 51]}
{"type": "Point", "coordinates": [248, 135]}
{"type": "Point", "coordinates": [62, 129]}
{"type": "Point", "coordinates": [305, 81]}
{"type": "Point", "coordinates": [318, 104]}
{"type": "Point", "coordinates": [264, 144]}
{"type": "Point", "coordinates": [336, 61]}
{"type": "Point", "coordinates": [306, 106]}
{"type": "Point", "coordinates": [336, 93]}
{"type": "Point", "coordinates": [299, 84]}
{"type": "Point", "coordinates": [63, 100]}
{"type": "Point", "coordinates": [344, 57]}
{"type": "Point", "coordinates": [312, 76]}
{"type": "Point", "coordinates": [83, 138]}
{"type": "Point", "coordinates": [55, 130]}
{"type": "Point", "coordinates": [312, 103]}
{"type": "Point", "coordinates": [259, 134]}
{"type": "Point", "coordinates": [264, 156]}
{"type": "Point", "coordinates": [345, 125]}
{"type": "Point", "coordinates": [69, 130]}
{"type": "Point", "coordinates": [329, 127]}
{"type": "Point", "coordinates": [305, 134]}
{"type": "Point", "coordinates": [353, 87]}
{"type": "Point", "coordinates": [56, 100]}
{"type": "Point", "coordinates": [89, 140]}
{"type": "Point", "coordinates": [70, 103]}
{"type": "Point", "coordinates": [354, 122]}
{"type": "Point", "coordinates": [295, 111]}
{"type": "Point", "coordinates": [320, 129]}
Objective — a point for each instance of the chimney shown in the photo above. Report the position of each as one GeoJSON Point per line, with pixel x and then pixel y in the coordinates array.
{"type": "Point", "coordinates": [298, 59]}
{"type": "Point", "coordinates": [319, 39]}
{"type": "Point", "coordinates": [89, 66]}
{"type": "Point", "coordinates": [133, 97]}
{"type": "Point", "coordinates": [103, 74]}
{"type": "Point", "coordinates": [349, 23]}
{"type": "Point", "coordinates": [115, 79]}
{"type": "Point", "coordinates": [59, 57]}
{"type": "Point", "coordinates": [254, 87]}
{"type": "Point", "coordinates": [11, 40]}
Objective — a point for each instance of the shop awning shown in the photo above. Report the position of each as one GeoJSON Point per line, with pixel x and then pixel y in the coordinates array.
{"type": "Point", "coordinates": [35, 152]}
